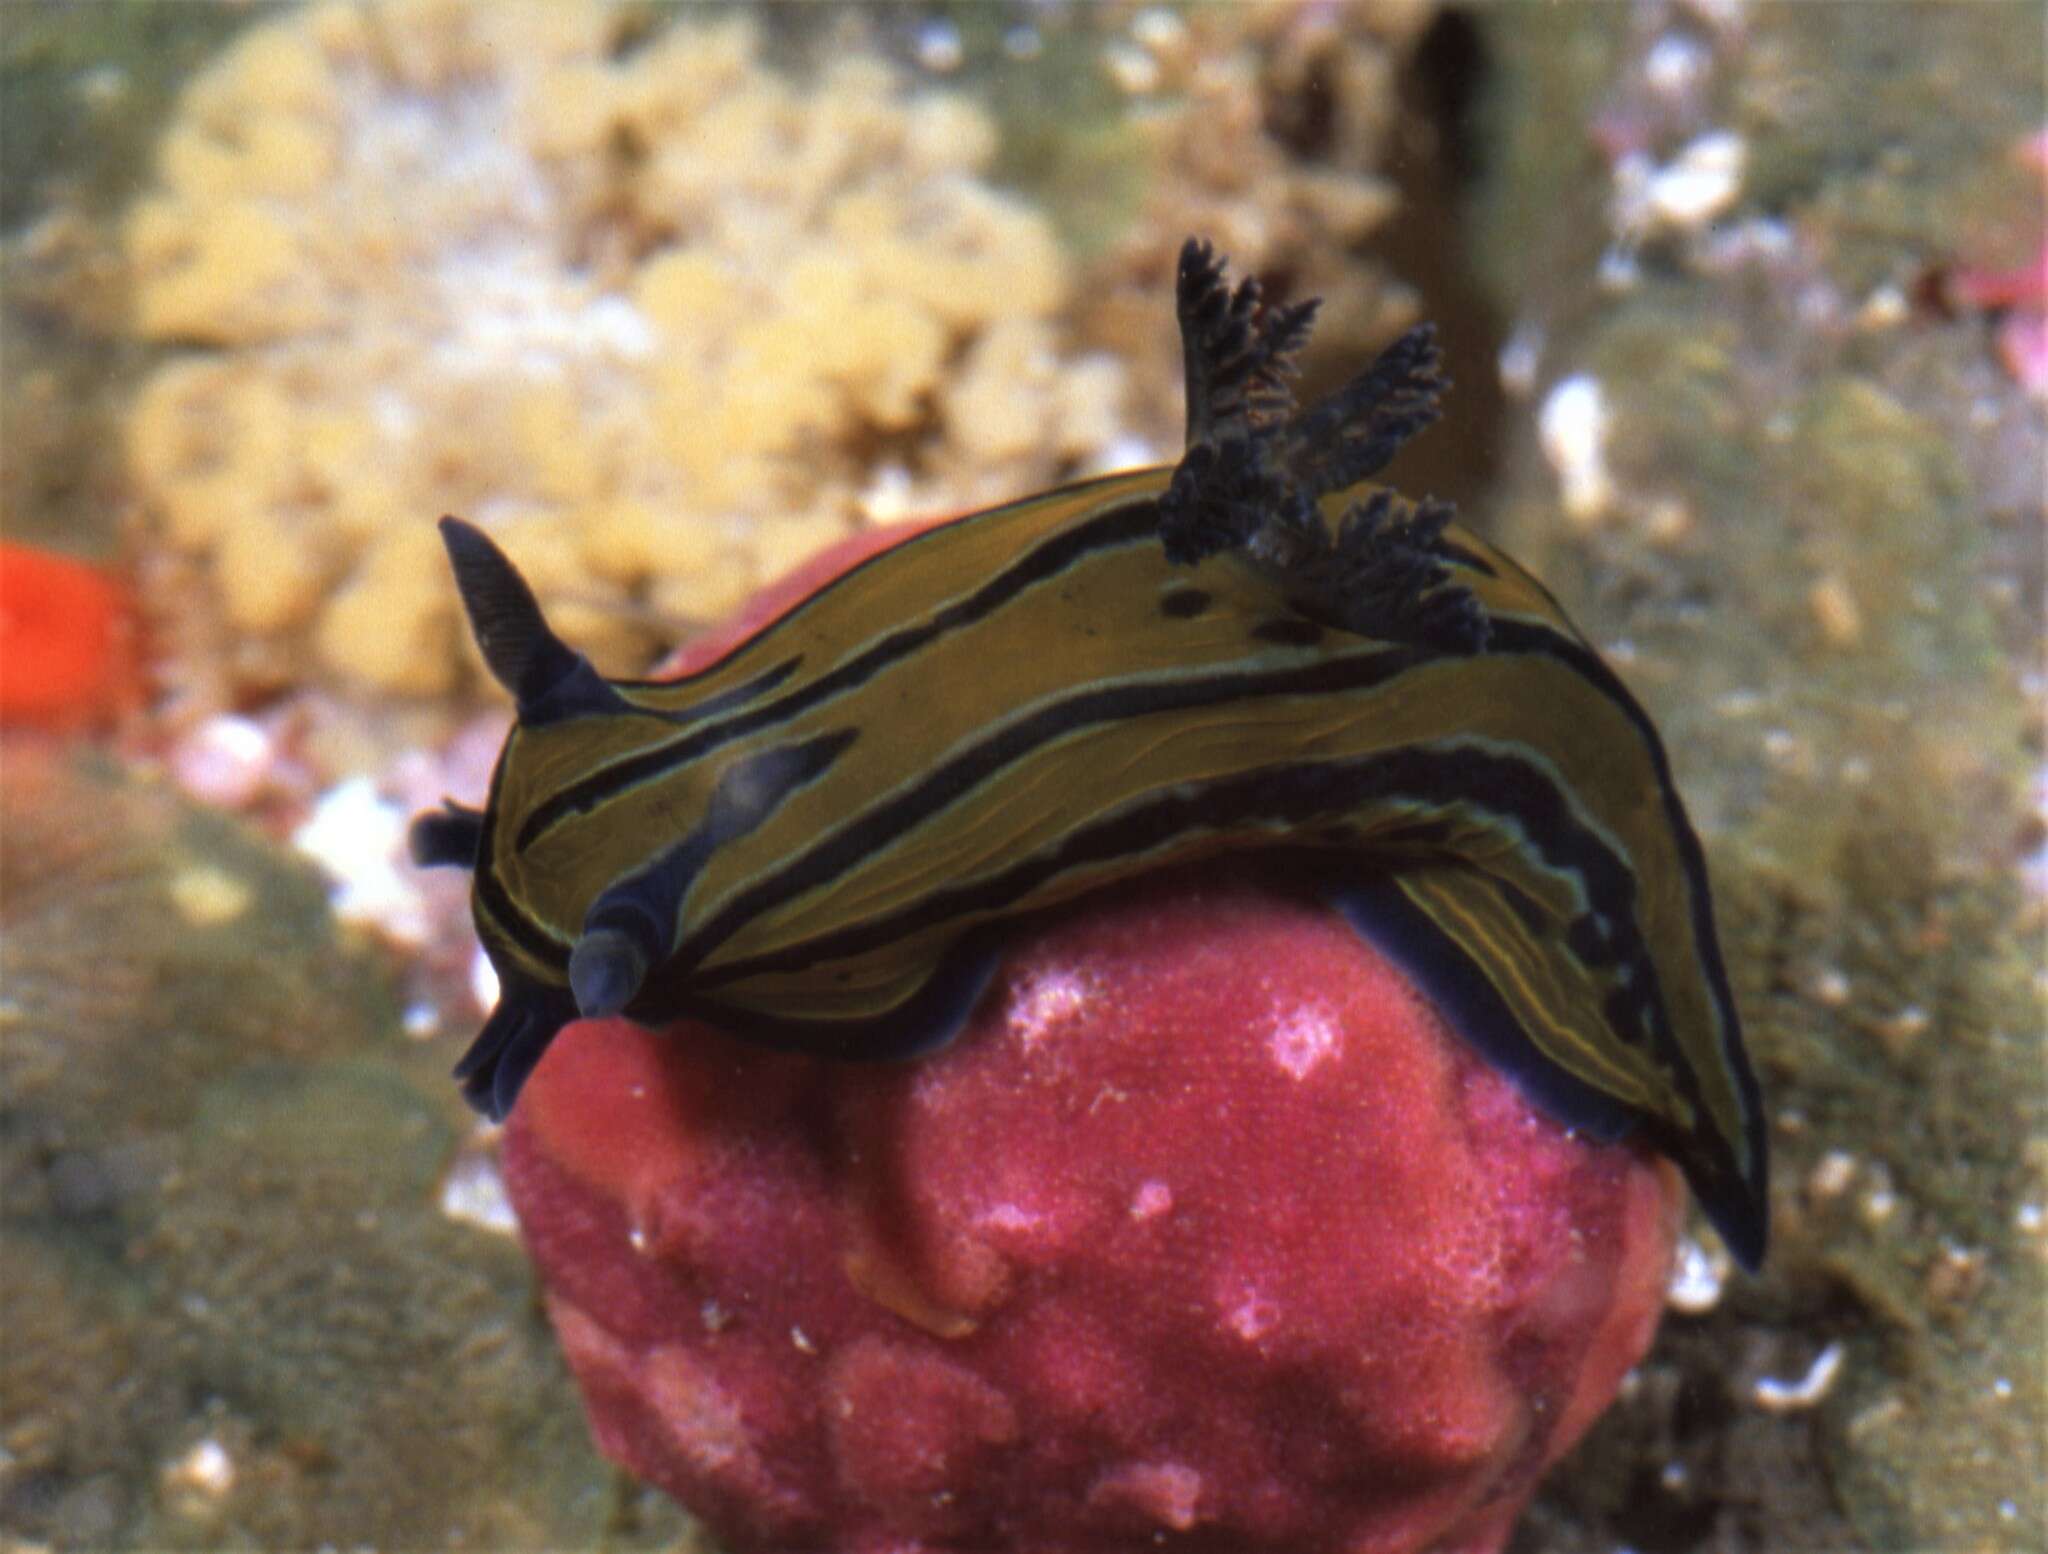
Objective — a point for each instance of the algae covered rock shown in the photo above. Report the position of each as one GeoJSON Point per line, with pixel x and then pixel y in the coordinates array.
{"type": "Point", "coordinates": [235, 1309]}
{"type": "Point", "coordinates": [1816, 552]}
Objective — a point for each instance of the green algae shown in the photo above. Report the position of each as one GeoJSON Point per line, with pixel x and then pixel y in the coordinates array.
{"type": "Point", "coordinates": [221, 1230]}
{"type": "Point", "coordinates": [1889, 127]}
{"type": "Point", "coordinates": [1920, 1067]}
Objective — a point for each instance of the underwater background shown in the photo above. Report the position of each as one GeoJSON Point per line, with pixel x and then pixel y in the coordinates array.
{"type": "Point", "coordinates": [1747, 308]}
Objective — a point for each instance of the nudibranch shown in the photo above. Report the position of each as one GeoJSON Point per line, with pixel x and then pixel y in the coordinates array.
{"type": "Point", "coordinates": [819, 842]}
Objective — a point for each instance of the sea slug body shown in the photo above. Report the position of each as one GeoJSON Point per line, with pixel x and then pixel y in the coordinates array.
{"type": "Point", "coordinates": [821, 841]}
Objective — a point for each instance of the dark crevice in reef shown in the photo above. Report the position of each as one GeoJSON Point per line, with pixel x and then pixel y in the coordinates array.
{"type": "Point", "coordinates": [1435, 160]}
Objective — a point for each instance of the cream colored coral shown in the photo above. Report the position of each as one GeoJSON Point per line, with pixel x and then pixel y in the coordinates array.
{"type": "Point", "coordinates": [1263, 129]}
{"type": "Point", "coordinates": [645, 318]}
{"type": "Point", "coordinates": [1014, 393]}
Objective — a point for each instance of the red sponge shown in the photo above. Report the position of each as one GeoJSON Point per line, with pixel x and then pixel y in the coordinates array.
{"type": "Point", "coordinates": [1207, 1234]}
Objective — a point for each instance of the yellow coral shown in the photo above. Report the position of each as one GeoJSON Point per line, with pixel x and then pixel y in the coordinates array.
{"type": "Point", "coordinates": [234, 277]}
{"type": "Point", "coordinates": [268, 582]}
{"type": "Point", "coordinates": [387, 624]}
{"type": "Point", "coordinates": [1014, 393]}
{"type": "Point", "coordinates": [646, 317]}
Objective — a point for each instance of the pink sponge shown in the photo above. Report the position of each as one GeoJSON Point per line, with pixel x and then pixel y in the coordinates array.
{"type": "Point", "coordinates": [1207, 1234]}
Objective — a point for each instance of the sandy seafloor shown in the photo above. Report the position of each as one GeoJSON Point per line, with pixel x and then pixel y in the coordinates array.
{"type": "Point", "coordinates": [1752, 373]}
